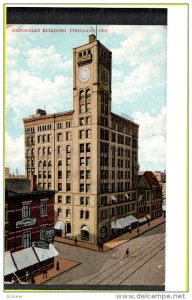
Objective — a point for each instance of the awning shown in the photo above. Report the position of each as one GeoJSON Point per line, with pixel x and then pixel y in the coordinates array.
{"type": "Point", "coordinates": [9, 266]}
{"type": "Point", "coordinates": [142, 220]}
{"type": "Point", "coordinates": [114, 198]}
{"type": "Point", "coordinates": [59, 225]}
{"type": "Point", "coordinates": [113, 225]}
{"type": "Point", "coordinates": [164, 207]}
{"type": "Point", "coordinates": [131, 219]}
{"type": "Point", "coordinates": [127, 196]}
{"type": "Point", "coordinates": [148, 217]}
{"type": "Point", "coordinates": [121, 223]}
{"type": "Point", "coordinates": [85, 228]}
{"type": "Point", "coordinates": [24, 258]}
{"type": "Point", "coordinates": [44, 254]}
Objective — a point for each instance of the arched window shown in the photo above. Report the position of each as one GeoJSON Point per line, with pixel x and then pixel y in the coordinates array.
{"type": "Point", "coordinates": [44, 163]}
{"type": "Point", "coordinates": [81, 95]}
{"type": "Point", "coordinates": [44, 150]}
{"type": "Point", "coordinates": [49, 150]}
{"type": "Point", "coordinates": [88, 93]}
{"type": "Point", "coordinates": [40, 164]}
{"type": "Point", "coordinates": [68, 149]}
{"type": "Point", "coordinates": [59, 163]}
{"type": "Point", "coordinates": [49, 163]}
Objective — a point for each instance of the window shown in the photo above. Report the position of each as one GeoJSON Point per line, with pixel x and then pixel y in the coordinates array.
{"type": "Point", "coordinates": [68, 161]}
{"type": "Point", "coordinates": [39, 139]}
{"type": "Point", "coordinates": [39, 174]}
{"type": "Point", "coordinates": [82, 108]}
{"type": "Point", "coordinates": [43, 208]}
{"type": "Point", "coordinates": [88, 107]}
{"type": "Point", "coordinates": [59, 212]}
{"type": "Point", "coordinates": [88, 133]}
{"type": "Point", "coordinates": [81, 121]}
{"type": "Point", "coordinates": [81, 148]}
{"type": "Point", "coordinates": [44, 163]}
{"type": "Point", "coordinates": [43, 232]}
{"type": "Point", "coordinates": [81, 214]}
{"type": "Point", "coordinates": [68, 199]}
{"type": "Point", "coordinates": [68, 136]}
{"type": "Point", "coordinates": [26, 239]}
{"type": "Point", "coordinates": [81, 200]}
{"type": "Point", "coordinates": [49, 163]}
{"type": "Point", "coordinates": [81, 161]}
{"type": "Point", "coordinates": [81, 187]}
{"type": "Point", "coordinates": [39, 164]}
{"type": "Point", "coordinates": [88, 94]}
{"type": "Point", "coordinates": [49, 137]}
{"type": "Point", "coordinates": [68, 213]}
{"type": "Point", "coordinates": [81, 95]}
{"type": "Point", "coordinates": [68, 175]}
{"type": "Point", "coordinates": [39, 151]}
{"type": "Point", "coordinates": [49, 174]}
{"type": "Point", "coordinates": [87, 188]}
{"type": "Point", "coordinates": [88, 160]}
{"type": "Point", "coordinates": [68, 187]}
{"type": "Point", "coordinates": [88, 174]}
{"type": "Point", "coordinates": [88, 147]}
{"type": "Point", "coordinates": [87, 214]}
{"type": "Point", "coordinates": [88, 120]}
{"type": "Point", "coordinates": [68, 124]}
{"type": "Point", "coordinates": [26, 211]}
{"type": "Point", "coordinates": [81, 134]}
{"type": "Point", "coordinates": [59, 199]}
{"type": "Point", "coordinates": [44, 138]}
{"type": "Point", "coordinates": [59, 174]}
{"type": "Point", "coordinates": [59, 137]}
{"type": "Point", "coordinates": [68, 149]}
{"type": "Point", "coordinates": [68, 227]}
{"type": "Point", "coordinates": [81, 174]}
{"type": "Point", "coordinates": [59, 163]}
{"type": "Point", "coordinates": [49, 151]}
{"type": "Point", "coordinates": [44, 174]}
{"type": "Point", "coordinates": [44, 151]}
{"type": "Point", "coordinates": [59, 186]}
{"type": "Point", "coordinates": [87, 201]}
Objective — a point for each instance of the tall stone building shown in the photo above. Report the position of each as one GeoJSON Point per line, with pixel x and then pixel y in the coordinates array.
{"type": "Point", "coordinates": [88, 155]}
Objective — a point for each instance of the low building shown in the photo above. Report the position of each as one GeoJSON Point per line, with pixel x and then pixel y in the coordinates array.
{"type": "Point", "coordinates": [29, 227]}
{"type": "Point", "coordinates": [150, 192]}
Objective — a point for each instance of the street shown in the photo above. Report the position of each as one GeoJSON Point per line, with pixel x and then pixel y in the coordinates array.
{"type": "Point", "coordinates": [145, 264]}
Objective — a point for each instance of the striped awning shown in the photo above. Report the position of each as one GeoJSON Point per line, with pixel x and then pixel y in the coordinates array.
{"type": "Point", "coordinates": [24, 258]}
{"type": "Point", "coordinates": [9, 266]}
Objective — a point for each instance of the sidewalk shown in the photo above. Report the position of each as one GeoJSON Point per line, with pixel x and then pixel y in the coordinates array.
{"type": "Point", "coordinates": [64, 265]}
{"type": "Point", "coordinates": [117, 241]}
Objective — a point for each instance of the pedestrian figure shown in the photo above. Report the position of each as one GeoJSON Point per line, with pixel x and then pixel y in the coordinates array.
{"type": "Point", "coordinates": [126, 253]}
{"type": "Point", "coordinates": [75, 241]}
{"type": "Point", "coordinates": [138, 230]}
{"type": "Point", "coordinates": [57, 265]}
{"type": "Point", "coordinates": [148, 223]}
{"type": "Point", "coordinates": [101, 247]}
{"type": "Point", "coordinates": [27, 275]}
{"type": "Point", "coordinates": [44, 273]}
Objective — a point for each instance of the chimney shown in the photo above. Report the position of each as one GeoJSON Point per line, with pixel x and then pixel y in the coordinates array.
{"type": "Point", "coordinates": [33, 183]}
{"type": "Point", "coordinates": [92, 38]}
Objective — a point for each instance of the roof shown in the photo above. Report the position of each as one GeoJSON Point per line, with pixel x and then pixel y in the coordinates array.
{"type": "Point", "coordinates": [35, 117]}
{"type": "Point", "coordinates": [124, 119]}
{"type": "Point", "coordinates": [152, 180]}
{"type": "Point", "coordinates": [21, 186]}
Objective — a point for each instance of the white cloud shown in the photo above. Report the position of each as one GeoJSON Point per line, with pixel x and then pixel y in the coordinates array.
{"type": "Point", "coordinates": [45, 59]}
{"type": "Point", "coordinates": [152, 137]}
{"type": "Point", "coordinates": [27, 92]}
{"type": "Point", "coordinates": [15, 153]}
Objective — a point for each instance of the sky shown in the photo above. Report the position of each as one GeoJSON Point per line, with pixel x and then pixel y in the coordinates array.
{"type": "Point", "coordinates": [39, 75]}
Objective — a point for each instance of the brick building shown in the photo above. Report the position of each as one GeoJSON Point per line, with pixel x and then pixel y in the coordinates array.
{"type": "Point", "coordinates": [150, 196]}
{"type": "Point", "coordinates": [88, 155]}
{"type": "Point", "coordinates": [29, 220]}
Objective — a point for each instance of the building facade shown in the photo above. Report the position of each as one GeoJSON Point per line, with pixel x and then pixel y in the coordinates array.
{"type": "Point", "coordinates": [29, 220]}
{"type": "Point", "coordinates": [150, 191]}
{"type": "Point", "coordinates": [89, 155]}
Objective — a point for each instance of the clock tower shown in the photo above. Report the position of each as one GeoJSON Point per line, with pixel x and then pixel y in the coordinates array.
{"type": "Point", "coordinates": [92, 82]}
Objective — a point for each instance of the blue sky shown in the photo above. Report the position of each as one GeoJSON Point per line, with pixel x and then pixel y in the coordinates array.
{"type": "Point", "coordinates": [39, 75]}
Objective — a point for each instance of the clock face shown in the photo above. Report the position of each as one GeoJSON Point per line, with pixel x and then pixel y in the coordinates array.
{"type": "Point", "coordinates": [105, 77]}
{"type": "Point", "coordinates": [84, 74]}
